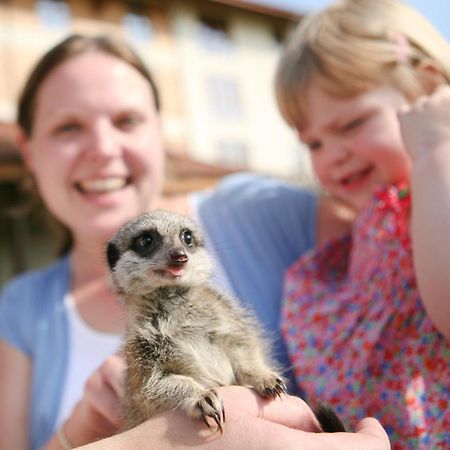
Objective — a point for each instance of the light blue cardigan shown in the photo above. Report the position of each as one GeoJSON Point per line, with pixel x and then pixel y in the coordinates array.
{"type": "Point", "coordinates": [33, 319]}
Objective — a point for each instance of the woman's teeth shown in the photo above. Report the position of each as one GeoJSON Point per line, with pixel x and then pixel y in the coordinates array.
{"type": "Point", "coordinates": [103, 185]}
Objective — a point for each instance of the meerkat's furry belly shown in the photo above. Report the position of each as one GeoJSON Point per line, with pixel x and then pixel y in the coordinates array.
{"type": "Point", "coordinates": [207, 362]}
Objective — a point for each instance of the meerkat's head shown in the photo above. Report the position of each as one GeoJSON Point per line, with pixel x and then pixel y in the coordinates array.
{"type": "Point", "coordinates": [160, 248]}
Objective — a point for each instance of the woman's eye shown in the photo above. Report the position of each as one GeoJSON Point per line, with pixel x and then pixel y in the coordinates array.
{"type": "Point", "coordinates": [68, 128]}
{"type": "Point", "coordinates": [187, 237]}
{"type": "Point", "coordinates": [128, 122]}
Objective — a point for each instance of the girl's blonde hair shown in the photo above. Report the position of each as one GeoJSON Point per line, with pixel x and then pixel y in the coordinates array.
{"type": "Point", "coordinates": [353, 46]}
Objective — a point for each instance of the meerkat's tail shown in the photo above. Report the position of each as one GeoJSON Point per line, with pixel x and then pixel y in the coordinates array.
{"type": "Point", "coordinates": [328, 419]}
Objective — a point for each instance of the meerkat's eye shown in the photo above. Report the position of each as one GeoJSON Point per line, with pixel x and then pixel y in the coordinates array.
{"type": "Point", "coordinates": [145, 240]}
{"type": "Point", "coordinates": [144, 243]}
{"type": "Point", "coordinates": [187, 237]}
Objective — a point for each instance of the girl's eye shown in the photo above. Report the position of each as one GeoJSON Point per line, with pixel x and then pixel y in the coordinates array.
{"type": "Point", "coordinates": [314, 146]}
{"type": "Point", "coordinates": [353, 124]}
{"type": "Point", "coordinates": [187, 237]}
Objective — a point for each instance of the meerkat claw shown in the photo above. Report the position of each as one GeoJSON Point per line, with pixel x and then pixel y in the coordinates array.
{"type": "Point", "coordinates": [281, 387]}
{"type": "Point", "coordinates": [216, 420]}
{"type": "Point", "coordinates": [211, 407]}
{"type": "Point", "coordinates": [275, 390]}
{"type": "Point", "coordinates": [206, 421]}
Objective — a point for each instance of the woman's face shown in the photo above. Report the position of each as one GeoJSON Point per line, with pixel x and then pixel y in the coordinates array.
{"type": "Point", "coordinates": [96, 146]}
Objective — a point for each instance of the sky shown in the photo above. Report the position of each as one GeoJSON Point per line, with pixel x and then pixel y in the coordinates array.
{"type": "Point", "coordinates": [437, 11]}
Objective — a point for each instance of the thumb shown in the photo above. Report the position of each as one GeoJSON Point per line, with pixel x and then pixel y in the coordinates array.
{"type": "Point", "coordinates": [372, 427]}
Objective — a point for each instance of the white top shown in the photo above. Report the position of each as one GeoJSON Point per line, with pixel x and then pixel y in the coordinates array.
{"type": "Point", "coordinates": [89, 348]}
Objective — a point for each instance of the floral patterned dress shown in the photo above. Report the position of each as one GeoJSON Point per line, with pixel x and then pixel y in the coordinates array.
{"type": "Point", "coordinates": [358, 335]}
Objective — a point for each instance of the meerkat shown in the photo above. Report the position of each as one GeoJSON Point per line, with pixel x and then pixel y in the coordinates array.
{"type": "Point", "coordinates": [184, 337]}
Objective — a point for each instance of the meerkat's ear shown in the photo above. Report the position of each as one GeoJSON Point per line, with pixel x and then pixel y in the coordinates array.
{"type": "Point", "coordinates": [112, 254]}
{"type": "Point", "coordinates": [430, 75]}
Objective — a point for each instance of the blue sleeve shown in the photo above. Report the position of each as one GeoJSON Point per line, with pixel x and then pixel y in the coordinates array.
{"type": "Point", "coordinates": [16, 313]}
{"type": "Point", "coordinates": [33, 319]}
{"type": "Point", "coordinates": [258, 227]}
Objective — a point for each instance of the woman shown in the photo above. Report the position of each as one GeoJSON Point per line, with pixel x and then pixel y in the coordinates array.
{"type": "Point", "coordinates": [90, 135]}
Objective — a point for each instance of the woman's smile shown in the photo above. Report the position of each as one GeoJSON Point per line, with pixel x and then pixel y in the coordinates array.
{"type": "Point", "coordinates": [102, 185]}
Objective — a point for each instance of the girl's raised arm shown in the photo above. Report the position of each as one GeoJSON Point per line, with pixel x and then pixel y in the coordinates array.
{"type": "Point", "coordinates": [426, 133]}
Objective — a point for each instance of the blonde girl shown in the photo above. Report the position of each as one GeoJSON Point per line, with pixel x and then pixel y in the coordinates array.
{"type": "Point", "coordinates": [367, 317]}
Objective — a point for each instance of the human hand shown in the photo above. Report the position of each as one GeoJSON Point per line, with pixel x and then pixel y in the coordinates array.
{"type": "Point", "coordinates": [425, 126]}
{"type": "Point", "coordinates": [97, 414]}
{"type": "Point", "coordinates": [251, 423]}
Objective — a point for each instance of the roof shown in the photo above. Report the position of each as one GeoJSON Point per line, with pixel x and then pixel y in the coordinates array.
{"type": "Point", "coordinates": [262, 9]}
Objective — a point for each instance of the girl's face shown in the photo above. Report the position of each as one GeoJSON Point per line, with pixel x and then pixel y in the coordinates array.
{"type": "Point", "coordinates": [96, 148]}
{"type": "Point", "coordinates": [355, 143]}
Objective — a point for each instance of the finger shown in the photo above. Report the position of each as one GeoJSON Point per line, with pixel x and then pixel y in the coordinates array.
{"type": "Point", "coordinates": [108, 405]}
{"type": "Point", "coordinates": [369, 436]}
{"type": "Point", "coordinates": [287, 410]}
{"type": "Point", "coordinates": [103, 399]}
{"type": "Point", "coordinates": [96, 421]}
{"type": "Point", "coordinates": [243, 431]}
{"type": "Point", "coordinates": [113, 371]}
{"type": "Point", "coordinates": [403, 110]}
{"type": "Point", "coordinates": [371, 427]}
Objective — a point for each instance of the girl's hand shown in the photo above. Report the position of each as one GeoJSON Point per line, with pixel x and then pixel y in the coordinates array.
{"type": "Point", "coordinates": [425, 126]}
{"type": "Point", "coordinates": [97, 414]}
{"type": "Point", "coordinates": [426, 133]}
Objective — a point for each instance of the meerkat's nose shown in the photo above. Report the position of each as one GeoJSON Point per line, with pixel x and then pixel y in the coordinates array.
{"type": "Point", "coordinates": [178, 257]}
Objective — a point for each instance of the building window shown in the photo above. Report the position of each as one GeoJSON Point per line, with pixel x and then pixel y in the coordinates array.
{"type": "Point", "coordinates": [137, 24]}
{"type": "Point", "coordinates": [214, 35]}
{"type": "Point", "coordinates": [232, 153]}
{"type": "Point", "coordinates": [224, 98]}
{"type": "Point", "coordinates": [53, 13]}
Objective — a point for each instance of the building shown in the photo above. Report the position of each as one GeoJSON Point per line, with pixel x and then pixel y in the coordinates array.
{"type": "Point", "coordinates": [214, 62]}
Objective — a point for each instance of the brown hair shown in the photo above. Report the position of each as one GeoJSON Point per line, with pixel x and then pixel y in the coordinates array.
{"type": "Point", "coordinates": [353, 46]}
{"type": "Point", "coordinates": [75, 45]}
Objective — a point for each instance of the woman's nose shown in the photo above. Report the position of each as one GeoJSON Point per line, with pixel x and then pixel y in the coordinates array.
{"type": "Point", "coordinates": [103, 141]}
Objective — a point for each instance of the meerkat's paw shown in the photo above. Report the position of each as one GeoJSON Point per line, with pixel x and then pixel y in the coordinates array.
{"type": "Point", "coordinates": [210, 406]}
{"type": "Point", "coordinates": [270, 386]}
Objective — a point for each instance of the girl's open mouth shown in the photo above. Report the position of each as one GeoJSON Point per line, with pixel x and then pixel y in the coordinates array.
{"type": "Point", "coordinates": [357, 177]}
